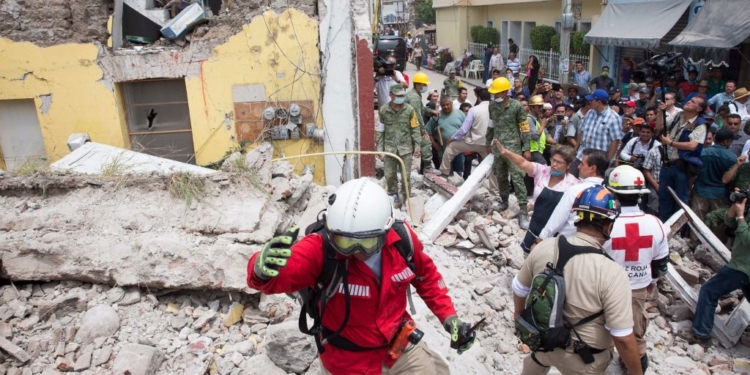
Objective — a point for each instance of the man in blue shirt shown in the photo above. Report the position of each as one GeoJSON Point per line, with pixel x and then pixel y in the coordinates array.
{"type": "Point", "coordinates": [581, 77]}
{"type": "Point", "coordinates": [710, 193]}
{"type": "Point", "coordinates": [719, 99]}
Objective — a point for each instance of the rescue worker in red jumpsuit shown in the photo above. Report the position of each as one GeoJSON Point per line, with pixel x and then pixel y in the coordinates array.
{"type": "Point", "coordinates": [359, 227]}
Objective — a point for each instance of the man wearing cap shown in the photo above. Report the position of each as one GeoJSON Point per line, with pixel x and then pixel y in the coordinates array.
{"type": "Point", "coordinates": [451, 85]}
{"type": "Point", "coordinates": [628, 108]}
{"type": "Point", "coordinates": [604, 82]}
{"type": "Point", "coordinates": [717, 84]}
{"type": "Point", "coordinates": [600, 129]}
{"type": "Point", "coordinates": [398, 132]}
{"type": "Point", "coordinates": [683, 143]}
{"type": "Point", "coordinates": [538, 136]}
{"type": "Point", "coordinates": [691, 84]}
{"type": "Point", "coordinates": [633, 91]}
{"type": "Point", "coordinates": [642, 103]}
{"type": "Point", "coordinates": [710, 192]}
{"type": "Point", "coordinates": [511, 126]}
{"type": "Point", "coordinates": [739, 105]}
{"type": "Point", "coordinates": [719, 99]}
{"type": "Point", "coordinates": [574, 123]}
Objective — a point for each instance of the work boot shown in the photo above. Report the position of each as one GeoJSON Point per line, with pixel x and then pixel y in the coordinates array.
{"type": "Point", "coordinates": [500, 206]}
{"type": "Point", "coordinates": [523, 217]}
{"type": "Point", "coordinates": [430, 169]}
{"type": "Point", "coordinates": [691, 338]}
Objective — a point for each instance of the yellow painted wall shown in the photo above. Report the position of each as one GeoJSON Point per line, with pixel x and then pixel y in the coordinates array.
{"type": "Point", "coordinates": [69, 72]}
{"type": "Point", "coordinates": [278, 51]}
{"type": "Point", "coordinates": [451, 29]}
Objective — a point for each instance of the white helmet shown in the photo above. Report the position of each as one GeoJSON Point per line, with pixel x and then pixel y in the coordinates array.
{"type": "Point", "coordinates": [627, 180]}
{"type": "Point", "coordinates": [360, 210]}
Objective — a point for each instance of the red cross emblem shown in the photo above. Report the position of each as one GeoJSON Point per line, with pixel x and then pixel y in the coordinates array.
{"type": "Point", "coordinates": [632, 243]}
{"type": "Point", "coordinates": [638, 181]}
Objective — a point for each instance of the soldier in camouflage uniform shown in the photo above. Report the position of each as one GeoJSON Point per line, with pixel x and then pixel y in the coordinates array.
{"type": "Point", "coordinates": [414, 99]}
{"type": "Point", "coordinates": [511, 127]}
{"type": "Point", "coordinates": [451, 85]}
{"type": "Point", "coordinates": [398, 132]}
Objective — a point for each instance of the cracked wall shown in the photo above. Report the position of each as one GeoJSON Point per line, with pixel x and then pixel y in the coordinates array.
{"type": "Point", "coordinates": [75, 86]}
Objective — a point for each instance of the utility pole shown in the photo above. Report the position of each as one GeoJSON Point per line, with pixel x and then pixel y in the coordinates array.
{"type": "Point", "coordinates": [565, 29]}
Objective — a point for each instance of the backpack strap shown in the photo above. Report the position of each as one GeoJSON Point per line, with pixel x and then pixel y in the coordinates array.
{"type": "Point", "coordinates": [566, 251]}
{"type": "Point", "coordinates": [405, 247]}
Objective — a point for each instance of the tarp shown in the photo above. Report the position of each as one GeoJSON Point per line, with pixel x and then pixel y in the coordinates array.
{"type": "Point", "coordinates": [720, 24]}
{"type": "Point", "coordinates": [636, 24]}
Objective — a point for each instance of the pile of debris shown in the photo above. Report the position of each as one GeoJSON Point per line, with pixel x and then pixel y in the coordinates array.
{"type": "Point", "coordinates": [125, 274]}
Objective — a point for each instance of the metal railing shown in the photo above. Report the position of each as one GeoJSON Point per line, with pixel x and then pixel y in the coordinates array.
{"type": "Point", "coordinates": [550, 60]}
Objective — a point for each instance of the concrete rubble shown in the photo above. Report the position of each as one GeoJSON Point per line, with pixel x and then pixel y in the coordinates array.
{"type": "Point", "coordinates": [113, 276]}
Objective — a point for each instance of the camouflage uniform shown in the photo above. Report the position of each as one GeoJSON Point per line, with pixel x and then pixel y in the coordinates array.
{"type": "Point", "coordinates": [511, 127]}
{"type": "Point", "coordinates": [414, 99]}
{"type": "Point", "coordinates": [451, 86]}
{"type": "Point", "coordinates": [397, 132]}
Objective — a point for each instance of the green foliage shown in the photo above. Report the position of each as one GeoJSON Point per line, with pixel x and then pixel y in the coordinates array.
{"type": "Point", "coordinates": [474, 32]}
{"type": "Point", "coordinates": [554, 42]}
{"type": "Point", "coordinates": [488, 35]}
{"type": "Point", "coordinates": [541, 37]}
{"type": "Point", "coordinates": [578, 47]}
{"type": "Point", "coordinates": [424, 12]}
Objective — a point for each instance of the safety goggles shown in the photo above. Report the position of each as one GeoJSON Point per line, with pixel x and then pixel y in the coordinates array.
{"type": "Point", "coordinates": [349, 244]}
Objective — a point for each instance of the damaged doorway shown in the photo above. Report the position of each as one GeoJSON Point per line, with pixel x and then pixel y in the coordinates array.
{"type": "Point", "coordinates": [21, 138]}
{"type": "Point", "coordinates": [159, 118]}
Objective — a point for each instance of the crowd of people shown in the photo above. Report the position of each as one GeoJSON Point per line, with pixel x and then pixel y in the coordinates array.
{"type": "Point", "coordinates": [590, 164]}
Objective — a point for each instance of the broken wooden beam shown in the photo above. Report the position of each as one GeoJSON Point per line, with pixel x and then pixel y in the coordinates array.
{"type": "Point", "coordinates": [727, 332]}
{"type": "Point", "coordinates": [448, 211]}
{"type": "Point", "coordinates": [439, 184]}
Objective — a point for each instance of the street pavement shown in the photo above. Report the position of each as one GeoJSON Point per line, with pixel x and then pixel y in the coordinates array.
{"type": "Point", "coordinates": [436, 81]}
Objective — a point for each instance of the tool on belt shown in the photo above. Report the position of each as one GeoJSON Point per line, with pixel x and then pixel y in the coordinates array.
{"type": "Point", "coordinates": [408, 331]}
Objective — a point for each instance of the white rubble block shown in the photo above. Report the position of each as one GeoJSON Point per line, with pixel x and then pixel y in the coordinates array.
{"type": "Point", "coordinates": [290, 349]}
{"type": "Point", "coordinates": [261, 364]}
{"type": "Point", "coordinates": [92, 158]}
{"type": "Point", "coordinates": [137, 359]}
{"type": "Point", "coordinates": [101, 238]}
{"type": "Point", "coordinates": [99, 321]}
{"type": "Point", "coordinates": [277, 307]}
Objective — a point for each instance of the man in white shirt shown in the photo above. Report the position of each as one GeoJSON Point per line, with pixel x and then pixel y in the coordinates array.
{"type": "Point", "coordinates": [461, 99]}
{"type": "Point", "coordinates": [638, 147]}
{"type": "Point", "coordinates": [495, 75]}
{"type": "Point", "coordinates": [496, 61]}
{"type": "Point", "coordinates": [383, 83]}
{"type": "Point", "coordinates": [739, 105]}
{"type": "Point", "coordinates": [591, 172]}
{"type": "Point", "coordinates": [672, 111]}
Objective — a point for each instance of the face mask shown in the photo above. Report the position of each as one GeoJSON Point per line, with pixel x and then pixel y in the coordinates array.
{"type": "Point", "coordinates": [399, 100]}
{"type": "Point", "coordinates": [556, 173]}
{"type": "Point", "coordinates": [604, 74]}
{"type": "Point", "coordinates": [500, 99]}
{"type": "Point", "coordinates": [424, 90]}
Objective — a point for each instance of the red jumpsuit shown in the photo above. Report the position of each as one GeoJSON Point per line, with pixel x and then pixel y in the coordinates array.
{"type": "Point", "coordinates": [376, 311]}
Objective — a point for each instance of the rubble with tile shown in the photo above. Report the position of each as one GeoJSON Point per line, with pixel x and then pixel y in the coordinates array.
{"type": "Point", "coordinates": [115, 277]}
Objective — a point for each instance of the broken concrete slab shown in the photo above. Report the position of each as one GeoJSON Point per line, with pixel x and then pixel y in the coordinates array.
{"type": "Point", "coordinates": [137, 359]}
{"type": "Point", "coordinates": [94, 158]}
{"type": "Point", "coordinates": [14, 350]}
{"type": "Point", "coordinates": [105, 234]}
{"type": "Point", "coordinates": [448, 211]}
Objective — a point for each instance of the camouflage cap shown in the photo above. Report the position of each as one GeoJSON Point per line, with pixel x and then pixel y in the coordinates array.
{"type": "Point", "coordinates": [398, 90]}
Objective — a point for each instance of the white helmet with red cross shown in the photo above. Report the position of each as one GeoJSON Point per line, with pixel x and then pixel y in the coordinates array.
{"type": "Point", "coordinates": [627, 180]}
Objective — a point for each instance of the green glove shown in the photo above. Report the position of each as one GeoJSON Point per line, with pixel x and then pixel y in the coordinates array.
{"type": "Point", "coordinates": [462, 337]}
{"type": "Point", "coordinates": [274, 254]}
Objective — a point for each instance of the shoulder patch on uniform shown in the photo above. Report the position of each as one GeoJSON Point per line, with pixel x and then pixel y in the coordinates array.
{"type": "Point", "coordinates": [414, 122]}
{"type": "Point", "coordinates": [379, 127]}
{"type": "Point", "coordinates": [524, 126]}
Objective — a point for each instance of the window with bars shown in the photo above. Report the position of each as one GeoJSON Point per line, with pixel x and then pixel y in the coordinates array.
{"type": "Point", "coordinates": [158, 118]}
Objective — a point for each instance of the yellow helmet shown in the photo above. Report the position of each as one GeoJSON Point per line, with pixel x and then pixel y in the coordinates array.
{"type": "Point", "coordinates": [499, 85]}
{"type": "Point", "coordinates": [421, 78]}
{"type": "Point", "coordinates": [536, 100]}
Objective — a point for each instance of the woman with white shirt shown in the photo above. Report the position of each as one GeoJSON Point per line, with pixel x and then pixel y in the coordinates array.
{"type": "Point", "coordinates": [550, 182]}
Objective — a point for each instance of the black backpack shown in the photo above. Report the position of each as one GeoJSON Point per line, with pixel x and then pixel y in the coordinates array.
{"type": "Point", "coordinates": [332, 278]}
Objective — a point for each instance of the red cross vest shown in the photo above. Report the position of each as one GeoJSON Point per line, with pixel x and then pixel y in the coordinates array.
{"type": "Point", "coordinates": [637, 239]}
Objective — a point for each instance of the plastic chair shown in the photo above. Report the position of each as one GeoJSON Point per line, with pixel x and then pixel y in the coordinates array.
{"type": "Point", "coordinates": [475, 68]}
